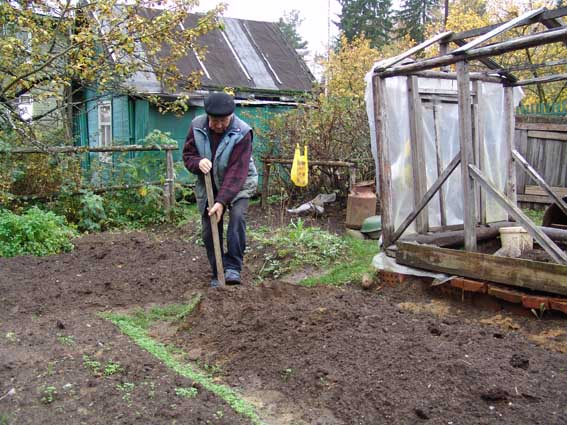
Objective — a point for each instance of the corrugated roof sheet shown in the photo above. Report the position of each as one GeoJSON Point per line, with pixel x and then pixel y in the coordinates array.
{"type": "Point", "coordinates": [245, 55]}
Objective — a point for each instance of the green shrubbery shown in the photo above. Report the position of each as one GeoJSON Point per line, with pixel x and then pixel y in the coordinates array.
{"type": "Point", "coordinates": [35, 232]}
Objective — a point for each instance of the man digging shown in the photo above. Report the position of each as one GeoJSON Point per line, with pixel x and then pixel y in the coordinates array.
{"type": "Point", "coordinates": [220, 143]}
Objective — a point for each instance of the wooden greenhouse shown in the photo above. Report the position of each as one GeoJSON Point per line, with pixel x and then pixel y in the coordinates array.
{"type": "Point", "coordinates": [431, 117]}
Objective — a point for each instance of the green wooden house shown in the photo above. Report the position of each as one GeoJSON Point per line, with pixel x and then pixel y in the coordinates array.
{"type": "Point", "coordinates": [252, 57]}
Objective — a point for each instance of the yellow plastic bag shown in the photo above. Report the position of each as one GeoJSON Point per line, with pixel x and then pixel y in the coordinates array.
{"type": "Point", "coordinates": [299, 168]}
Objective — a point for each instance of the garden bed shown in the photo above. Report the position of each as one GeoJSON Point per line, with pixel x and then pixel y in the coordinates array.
{"type": "Point", "coordinates": [264, 352]}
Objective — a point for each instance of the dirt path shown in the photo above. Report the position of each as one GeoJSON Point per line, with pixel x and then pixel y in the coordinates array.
{"type": "Point", "coordinates": [302, 356]}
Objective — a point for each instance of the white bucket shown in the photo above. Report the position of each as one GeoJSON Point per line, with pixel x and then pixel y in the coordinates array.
{"type": "Point", "coordinates": [516, 239]}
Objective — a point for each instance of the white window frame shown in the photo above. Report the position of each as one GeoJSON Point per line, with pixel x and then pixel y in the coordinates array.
{"type": "Point", "coordinates": [25, 107]}
{"type": "Point", "coordinates": [105, 130]}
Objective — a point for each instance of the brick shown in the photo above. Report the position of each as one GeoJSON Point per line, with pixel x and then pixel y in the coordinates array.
{"type": "Point", "coordinates": [391, 278]}
{"type": "Point", "coordinates": [506, 294]}
{"type": "Point", "coordinates": [559, 304]}
{"type": "Point", "coordinates": [535, 302]}
{"type": "Point", "coordinates": [469, 285]}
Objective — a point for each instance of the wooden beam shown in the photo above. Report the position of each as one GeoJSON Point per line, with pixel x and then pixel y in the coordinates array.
{"type": "Point", "coordinates": [548, 135]}
{"type": "Point", "coordinates": [416, 49]}
{"type": "Point", "coordinates": [265, 184]}
{"type": "Point", "coordinates": [84, 149]}
{"type": "Point", "coordinates": [536, 190]}
{"type": "Point", "coordinates": [498, 30]}
{"type": "Point", "coordinates": [474, 76]}
{"type": "Point", "coordinates": [456, 238]}
{"type": "Point", "coordinates": [548, 14]}
{"type": "Point", "coordinates": [540, 80]}
{"type": "Point", "coordinates": [535, 275]}
{"type": "Point", "coordinates": [492, 64]}
{"type": "Point", "coordinates": [417, 151]}
{"type": "Point", "coordinates": [550, 247]}
{"type": "Point", "coordinates": [384, 163]}
{"type": "Point", "coordinates": [540, 181]}
{"type": "Point", "coordinates": [511, 189]}
{"type": "Point", "coordinates": [536, 199]}
{"type": "Point", "coordinates": [466, 144]}
{"type": "Point", "coordinates": [478, 143]}
{"type": "Point", "coordinates": [426, 198]}
{"type": "Point", "coordinates": [536, 126]}
{"type": "Point", "coordinates": [524, 42]}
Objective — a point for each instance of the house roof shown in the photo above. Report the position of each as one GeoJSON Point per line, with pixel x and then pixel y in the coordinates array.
{"type": "Point", "coordinates": [247, 55]}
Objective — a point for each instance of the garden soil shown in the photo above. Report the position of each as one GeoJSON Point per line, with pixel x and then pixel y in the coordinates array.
{"type": "Point", "coordinates": [403, 355]}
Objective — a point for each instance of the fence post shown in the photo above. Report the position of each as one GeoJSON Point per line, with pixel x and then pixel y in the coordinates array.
{"type": "Point", "coordinates": [169, 196]}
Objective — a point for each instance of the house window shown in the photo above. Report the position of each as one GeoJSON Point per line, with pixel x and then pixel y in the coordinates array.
{"type": "Point", "coordinates": [25, 107]}
{"type": "Point", "coordinates": [105, 128]}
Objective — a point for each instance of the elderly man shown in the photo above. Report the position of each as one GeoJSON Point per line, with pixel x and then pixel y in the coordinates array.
{"type": "Point", "coordinates": [221, 143]}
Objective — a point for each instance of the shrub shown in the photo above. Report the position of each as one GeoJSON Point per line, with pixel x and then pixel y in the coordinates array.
{"type": "Point", "coordinates": [35, 232]}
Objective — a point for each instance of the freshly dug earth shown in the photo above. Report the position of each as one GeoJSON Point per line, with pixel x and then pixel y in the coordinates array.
{"type": "Point", "coordinates": [301, 355]}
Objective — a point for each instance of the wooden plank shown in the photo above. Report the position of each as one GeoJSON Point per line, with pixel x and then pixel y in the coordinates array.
{"type": "Point", "coordinates": [541, 182]}
{"type": "Point", "coordinates": [509, 141]}
{"type": "Point", "coordinates": [519, 137]}
{"type": "Point", "coordinates": [524, 42]}
{"type": "Point", "coordinates": [536, 126]}
{"type": "Point", "coordinates": [536, 199]}
{"type": "Point", "coordinates": [384, 164]}
{"type": "Point", "coordinates": [549, 135]}
{"type": "Point", "coordinates": [170, 180]}
{"type": "Point", "coordinates": [498, 30]}
{"type": "Point", "coordinates": [466, 145]}
{"type": "Point", "coordinates": [547, 277]}
{"type": "Point", "coordinates": [417, 152]}
{"type": "Point", "coordinates": [536, 190]}
{"type": "Point", "coordinates": [427, 197]}
{"type": "Point", "coordinates": [478, 141]}
{"type": "Point", "coordinates": [546, 243]}
{"type": "Point", "coordinates": [416, 49]}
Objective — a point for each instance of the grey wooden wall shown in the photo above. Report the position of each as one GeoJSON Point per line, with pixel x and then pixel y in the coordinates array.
{"type": "Point", "coordinates": [543, 142]}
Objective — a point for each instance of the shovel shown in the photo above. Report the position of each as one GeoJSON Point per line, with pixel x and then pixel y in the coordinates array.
{"type": "Point", "coordinates": [215, 230]}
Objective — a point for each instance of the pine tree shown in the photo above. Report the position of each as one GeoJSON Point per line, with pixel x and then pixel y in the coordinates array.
{"type": "Point", "coordinates": [289, 25]}
{"type": "Point", "coordinates": [413, 17]}
{"type": "Point", "coordinates": [373, 18]}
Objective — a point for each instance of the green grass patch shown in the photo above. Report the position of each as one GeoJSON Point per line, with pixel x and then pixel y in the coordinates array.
{"type": "Point", "coordinates": [356, 261]}
{"type": "Point", "coordinates": [296, 246]}
{"type": "Point", "coordinates": [136, 327]}
{"type": "Point", "coordinates": [169, 313]}
{"type": "Point", "coordinates": [129, 326]}
{"type": "Point", "coordinates": [535, 215]}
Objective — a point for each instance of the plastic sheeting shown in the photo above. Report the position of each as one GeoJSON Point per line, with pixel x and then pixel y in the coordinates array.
{"type": "Point", "coordinates": [396, 125]}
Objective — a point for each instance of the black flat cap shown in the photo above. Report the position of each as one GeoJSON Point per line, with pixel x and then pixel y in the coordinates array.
{"type": "Point", "coordinates": [219, 105]}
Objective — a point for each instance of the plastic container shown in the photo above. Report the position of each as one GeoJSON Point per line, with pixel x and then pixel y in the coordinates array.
{"type": "Point", "coordinates": [516, 239]}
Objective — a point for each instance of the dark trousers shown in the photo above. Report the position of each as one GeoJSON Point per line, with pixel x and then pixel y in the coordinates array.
{"type": "Point", "coordinates": [235, 238]}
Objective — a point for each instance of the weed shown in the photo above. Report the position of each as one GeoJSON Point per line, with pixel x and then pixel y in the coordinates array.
{"type": "Point", "coordinates": [219, 414]}
{"type": "Point", "coordinates": [4, 419]}
{"type": "Point", "coordinates": [93, 365]}
{"type": "Point", "coordinates": [126, 388]}
{"type": "Point", "coordinates": [66, 340]}
{"type": "Point", "coordinates": [296, 246]}
{"type": "Point", "coordinates": [49, 394]}
{"type": "Point", "coordinates": [11, 337]}
{"type": "Point", "coordinates": [112, 368]}
{"type": "Point", "coordinates": [360, 254]}
{"type": "Point", "coordinates": [51, 368]}
{"type": "Point", "coordinates": [286, 374]}
{"type": "Point", "coordinates": [539, 313]}
{"type": "Point", "coordinates": [186, 392]}
{"type": "Point", "coordinates": [535, 215]}
{"type": "Point", "coordinates": [169, 313]}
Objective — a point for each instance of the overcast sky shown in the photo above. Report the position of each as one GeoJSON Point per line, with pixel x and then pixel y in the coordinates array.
{"type": "Point", "coordinates": [315, 15]}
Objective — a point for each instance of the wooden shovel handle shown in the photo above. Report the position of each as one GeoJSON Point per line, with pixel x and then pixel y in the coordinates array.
{"type": "Point", "coordinates": [215, 229]}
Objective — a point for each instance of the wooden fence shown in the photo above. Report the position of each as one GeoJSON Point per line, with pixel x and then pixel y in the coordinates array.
{"type": "Point", "coordinates": [542, 141]}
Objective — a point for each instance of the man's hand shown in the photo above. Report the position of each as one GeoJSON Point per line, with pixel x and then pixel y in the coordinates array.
{"type": "Point", "coordinates": [217, 209]}
{"type": "Point", "coordinates": [205, 165]}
